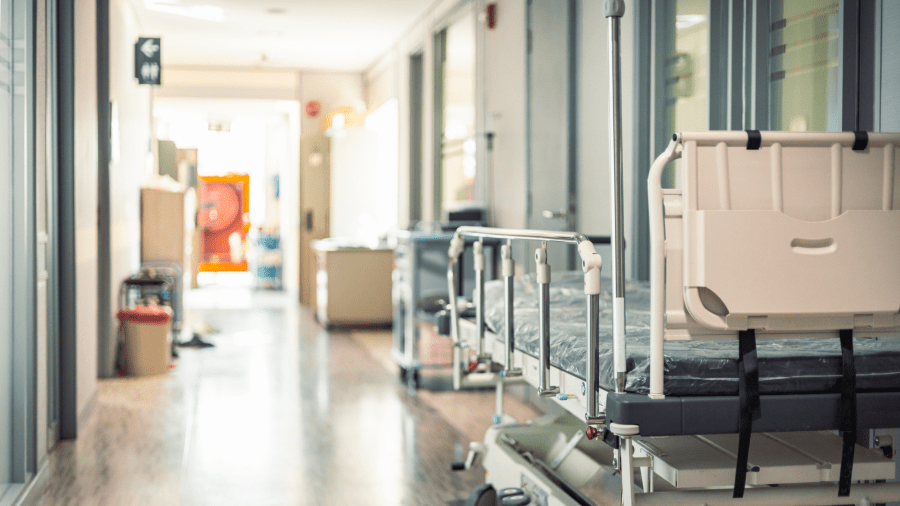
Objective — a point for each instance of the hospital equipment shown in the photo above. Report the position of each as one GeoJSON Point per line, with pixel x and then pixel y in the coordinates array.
{"type": "Point", "coordinates": [819, 268]}
{"type": "Point", "coordinates": [419, 290]}
{"type": "Point", "coordinates": [770, 323]}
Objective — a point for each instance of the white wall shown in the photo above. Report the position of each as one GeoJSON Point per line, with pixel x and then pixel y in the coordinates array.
{"type": "Point", "coordinates": [351, 188]}
{"type": "Point", "coordinates": [388, 78]}
{"type": "Point", "coordinates": [332, 90]}
{"type": "Point", "coordinates": [132, 135]}
{"type": "Point", "coordinates": [504, 107]}
{"type": "Point", "coordinates": [86, 144]}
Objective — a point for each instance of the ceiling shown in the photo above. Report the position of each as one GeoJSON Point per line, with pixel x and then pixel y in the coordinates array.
{"type": "Point", "coordinates": [340, 35]}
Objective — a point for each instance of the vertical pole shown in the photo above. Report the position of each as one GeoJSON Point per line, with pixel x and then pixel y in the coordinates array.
{"type": "Point", "coordinates": [593, 335]}
{"type": "Point", "coordinates": [68, 333]}
{"type": "Point", "coordinates": [106, 344]}
{"type": "Point", "coordinates": [478, 250]}
{"type": "Point", "coordinates": [454, 327]}
{"type": "Point", "coordinates": [543, 279]}
{"type": "Point", "coordinates": [615, 9]}
{"type": "Point", "coordinates": [498, 406]}
{"type": "Point", "coordinates": [509, 271]}
{"type": "Point", "coordinates": [627, 464]}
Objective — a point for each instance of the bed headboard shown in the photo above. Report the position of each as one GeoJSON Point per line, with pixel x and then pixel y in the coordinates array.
{"type": "Point", "coordinates": [783, 232]}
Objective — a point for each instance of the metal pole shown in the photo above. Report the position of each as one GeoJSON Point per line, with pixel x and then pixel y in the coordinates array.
{"type": "Point", "coordinates": [543, 279]}
{"type": "Point", "coordinates": [454, 325]}
{"type": "Point", "coordinates": [593, 364]}
{"type": "Point", "coordinates": [478, 253]}
{"type": "Point", "coordinates": [627, 463]}
{"type": "Point", "coordinates": [498, 404]}
{"type": "Point", "coordinates": [614, 11]}
{"type": "Point", "coordinates": [509, 271]}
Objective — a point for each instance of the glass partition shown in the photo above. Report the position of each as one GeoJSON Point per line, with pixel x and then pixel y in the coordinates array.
{"type": "Point", "coordinates": [457, 147]}
{"type": "Point", "coordinates": [804, 65]}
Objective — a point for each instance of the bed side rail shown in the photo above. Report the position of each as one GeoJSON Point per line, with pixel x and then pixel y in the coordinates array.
{"type": "Point", "coordinates": [591, 264]}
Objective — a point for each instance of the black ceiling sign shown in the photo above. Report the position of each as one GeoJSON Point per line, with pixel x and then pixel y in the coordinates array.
{"type": "Point", "coordinates": [147, 64]}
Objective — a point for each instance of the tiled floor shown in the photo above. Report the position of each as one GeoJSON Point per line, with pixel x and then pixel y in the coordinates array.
{"type": "Point", "coordinates": [280, 412]}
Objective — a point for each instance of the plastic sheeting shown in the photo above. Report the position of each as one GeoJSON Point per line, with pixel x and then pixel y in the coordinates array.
{"type": "Point", "coordinates": [691, 367]}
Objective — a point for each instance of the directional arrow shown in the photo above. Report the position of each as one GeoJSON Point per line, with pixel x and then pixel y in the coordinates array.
{"type": "Point", "coordinates": [149, 48]}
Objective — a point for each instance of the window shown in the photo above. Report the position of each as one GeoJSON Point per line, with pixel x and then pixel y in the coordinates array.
{"type": "Point", "coordinates": [456, 79]}
{"type": "Point", "coordinates": [804, 65]}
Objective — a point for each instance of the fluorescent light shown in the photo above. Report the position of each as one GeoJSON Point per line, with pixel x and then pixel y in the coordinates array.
{"type": "Point", "coordinates": [683, 21]}
{"type": "Point", "coordinates": [202, 12]}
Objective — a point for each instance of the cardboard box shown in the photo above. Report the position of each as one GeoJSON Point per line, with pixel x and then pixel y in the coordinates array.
{"type": "Point", "coordinates": [162, 225]}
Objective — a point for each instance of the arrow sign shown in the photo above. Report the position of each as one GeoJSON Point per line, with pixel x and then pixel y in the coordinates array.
{"type": "Point", "coordinates": [147, 61]}
{"type": "Point", "coordinates": [150, 47]}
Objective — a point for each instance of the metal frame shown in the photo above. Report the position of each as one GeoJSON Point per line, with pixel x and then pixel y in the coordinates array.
{"type": "Point", "coordinates": [105, 345]}
{"type": "Point", "coordinates": [67, 294]}
{"type": "Point", "coordinates": [24, 248]}
{"type": "Point", "coordinates": [591, 265]}
{"type": "Point", "coordinates": [439, 56]}
{"type": "Point", "coordinates": [416, 122]}
{"type": "Point", "coordinates": [52, 162]}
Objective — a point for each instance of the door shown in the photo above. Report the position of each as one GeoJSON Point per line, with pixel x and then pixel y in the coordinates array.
{"type": "Point", "coordinates": [315, 208]}
{"type": "Point", "coordinates": [551, 131]}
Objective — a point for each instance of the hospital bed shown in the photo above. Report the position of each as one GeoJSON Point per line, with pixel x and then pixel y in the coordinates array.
{"type": "Point", "coordinates": [773, 310]}
{"type": "Point", "coordinates": [746, 371]}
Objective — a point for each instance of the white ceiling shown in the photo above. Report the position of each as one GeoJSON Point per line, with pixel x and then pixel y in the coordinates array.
{"type": "Point", "coordinates": [346, 35]}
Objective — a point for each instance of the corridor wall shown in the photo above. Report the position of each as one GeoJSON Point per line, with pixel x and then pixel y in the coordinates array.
{"type": "Point", "coordinates": [129, 164]}
{"type": "Point", "coordinates": [86, 200]}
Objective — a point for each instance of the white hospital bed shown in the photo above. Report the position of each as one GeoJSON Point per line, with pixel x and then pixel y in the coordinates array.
{"type": "Point", "coordinates": [775, 235]}
{"type": "Point", "coordinates": [772, 236]}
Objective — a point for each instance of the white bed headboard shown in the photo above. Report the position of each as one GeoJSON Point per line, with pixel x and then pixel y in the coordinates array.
{"type": "Point", "coordinates": [798, 234]}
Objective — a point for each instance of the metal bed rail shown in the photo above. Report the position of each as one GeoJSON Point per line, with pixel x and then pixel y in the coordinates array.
{"type": "Point", "coordinates": [591, 264]}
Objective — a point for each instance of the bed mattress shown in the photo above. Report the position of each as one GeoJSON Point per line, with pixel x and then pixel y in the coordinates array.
{"type": "Point", "coordinates": [691, 367]}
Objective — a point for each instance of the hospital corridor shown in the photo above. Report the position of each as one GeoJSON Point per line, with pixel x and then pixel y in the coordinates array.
{"type": "Point", "coordinates": [449, 252]}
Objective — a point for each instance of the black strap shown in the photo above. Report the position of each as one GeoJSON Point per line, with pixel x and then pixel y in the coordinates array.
{"type": "Point", "coordinates": [748, 390]}
{"type": "Point", "coordinates": [861, 142]}
{"type": "Point", "coordinates": [847, 411]}
{"type": "Point", "coordinates": [754, 139]}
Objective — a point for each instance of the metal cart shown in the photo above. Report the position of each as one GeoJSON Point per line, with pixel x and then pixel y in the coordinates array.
{"type": "Point", "coordinates": [420, 290]}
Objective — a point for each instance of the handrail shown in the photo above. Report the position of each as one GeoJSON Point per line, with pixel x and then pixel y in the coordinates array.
{"type": "Point", "coordinates": [591, 263]}
{"type": "Point", "coordinates": [658, 265]}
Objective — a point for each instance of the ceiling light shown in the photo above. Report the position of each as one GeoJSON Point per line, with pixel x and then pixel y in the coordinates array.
{"type": "Point", "coordinates": [688, 20]}
{"type": "Point", "coordinates": [201, 12]}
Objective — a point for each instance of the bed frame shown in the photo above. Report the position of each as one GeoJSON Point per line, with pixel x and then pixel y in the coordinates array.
{"type": "Point", "coordinates": [773, 235]}
{"type": "Point", "coordinates": [820, 268]}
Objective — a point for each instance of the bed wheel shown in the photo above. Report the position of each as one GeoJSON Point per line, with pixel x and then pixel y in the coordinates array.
{"type": "Point", "coordinates": [483, 495]}
{"type": "Point", "coordinates": [513, 497]}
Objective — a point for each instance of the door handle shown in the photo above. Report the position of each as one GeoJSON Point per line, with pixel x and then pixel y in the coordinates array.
{"type": "Point", "coordinates": [560, 215]}
{"type": "Point", "coordinates": [309, 220]}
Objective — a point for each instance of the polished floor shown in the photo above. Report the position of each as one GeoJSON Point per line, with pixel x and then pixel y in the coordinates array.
{"type": "Point", "coordinates": [280, 412]}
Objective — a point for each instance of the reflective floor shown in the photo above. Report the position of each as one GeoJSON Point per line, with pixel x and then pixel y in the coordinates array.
{"type": "Point", "coordinates": [279, 412]}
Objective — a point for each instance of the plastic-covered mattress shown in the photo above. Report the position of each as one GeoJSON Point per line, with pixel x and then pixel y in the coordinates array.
{"type": "Point", "coordinates": [691, 367]}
